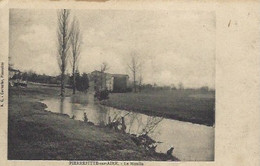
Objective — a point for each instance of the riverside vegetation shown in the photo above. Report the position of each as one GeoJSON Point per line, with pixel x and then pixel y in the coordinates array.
{"type": "Point", "coordinates": [34, 133]}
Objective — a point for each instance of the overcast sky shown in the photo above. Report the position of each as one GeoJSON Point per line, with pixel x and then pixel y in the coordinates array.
{"type": "Point", "coordinates": [175, 46]}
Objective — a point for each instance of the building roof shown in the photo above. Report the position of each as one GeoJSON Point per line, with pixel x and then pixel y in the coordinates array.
{"type": "Point", "coordinates": [109, 74]}
{"type": "Point", "coordinates": [119, 75]}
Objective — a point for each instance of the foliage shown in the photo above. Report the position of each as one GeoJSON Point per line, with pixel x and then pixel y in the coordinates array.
{"type": "Point", "coordinates": [39, 78]}
{"type": "Point", "coordinates": [82, 81]}
{"type": "Point", "coordinates": [102, 95]}
{"type": "Point", "coordinates": [204, 89]}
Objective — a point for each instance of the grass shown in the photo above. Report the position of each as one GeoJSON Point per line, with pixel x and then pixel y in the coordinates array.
{"type": "Point", "coordinates": [185, 105]}
{"type": "Point", "coordinates": [36, 134]}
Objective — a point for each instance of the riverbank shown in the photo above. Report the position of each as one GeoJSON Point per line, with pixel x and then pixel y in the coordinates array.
{"type": "Point", "coordinates": [37, 134]}
{"type": "Point", "coordinates": [184, 105]}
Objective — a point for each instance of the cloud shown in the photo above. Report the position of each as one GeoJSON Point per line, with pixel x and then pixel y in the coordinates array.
{"type": "Point", "coordinates": [35, 50]}
{"type": "Point", "coordinates": [39, 38]}
{"type": "Point", "coordinates": [175, 46]}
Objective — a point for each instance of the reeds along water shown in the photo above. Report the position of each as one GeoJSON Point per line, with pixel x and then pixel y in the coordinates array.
{"type": "Point", "coordinates": [191, 141]}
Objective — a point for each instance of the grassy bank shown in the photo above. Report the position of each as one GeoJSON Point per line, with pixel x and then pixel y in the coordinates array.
{"type": "Point", "coordinates": [36, 134]}
{"type": "Point", "coordinates": [191, 106]}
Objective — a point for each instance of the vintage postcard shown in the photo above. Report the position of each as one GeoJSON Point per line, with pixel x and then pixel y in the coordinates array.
{"type": "Point", "coordinates": [129, 83]}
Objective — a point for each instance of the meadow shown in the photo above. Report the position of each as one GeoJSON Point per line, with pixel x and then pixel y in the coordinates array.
{"type": "Point", "coordinates": [186, 105]}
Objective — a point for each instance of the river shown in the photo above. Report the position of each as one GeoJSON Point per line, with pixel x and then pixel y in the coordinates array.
{"type": "Point", "coordinates": [191, 142]}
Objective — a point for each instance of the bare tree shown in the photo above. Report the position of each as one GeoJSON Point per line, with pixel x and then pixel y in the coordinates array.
{"type": "Point", "coordinates": [140, 78]}
{"type": "Point", "coordinates": [75, 41]}
{"type": "Point", "coordinates": [180, 86]}
{"type": "Point", "coordinates": [151, 123]}
{"type": "Point", "coordinates": [63, 34]}
{"type": "Point", "coordinates": [104, 67]}
{"type": "Point", "coordinates": [134, 66]}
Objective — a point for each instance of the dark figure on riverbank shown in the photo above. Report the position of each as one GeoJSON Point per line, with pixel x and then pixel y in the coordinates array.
{"type": "Point", "coordinates": [85, 117]}
{"type": "Point", "coordinates": [123, 125]}
{"type": "Point", "coordinates": [86, 120]}
{"type": "Point", "coordinates": [169, 152]}
{"type": "Point", "coordinates": [114, 125]}
{"type": "Point", "coordinates": [109, 120]}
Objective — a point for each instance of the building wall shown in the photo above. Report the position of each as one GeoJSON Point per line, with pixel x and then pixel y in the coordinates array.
{"type": "Point", "coordinates": [111, 82]}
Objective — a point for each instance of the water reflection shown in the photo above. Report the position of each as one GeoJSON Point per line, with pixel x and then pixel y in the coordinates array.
{"type": "Point", "coordinates": [101, 115]}
{"type": "Point", "coordinates": [62, 105]}
{"type": "Point", "coordinates": [190, 141]}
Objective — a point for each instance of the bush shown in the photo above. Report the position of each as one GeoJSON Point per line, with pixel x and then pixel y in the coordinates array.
{"type": "Point", "coordinates": [204, 89]}
{"type": "Point", "coordinates": [102, 95]}
{"type": "Point", "coordinates": [82, 82]}
{"type": "Point", "coordinates": [129, 89]}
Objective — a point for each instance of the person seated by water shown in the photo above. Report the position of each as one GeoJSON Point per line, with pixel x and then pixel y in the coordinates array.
{"type": "Point", "coordinates": [85, 117]}
{"type": "Point", "coordinates": [169, 152]}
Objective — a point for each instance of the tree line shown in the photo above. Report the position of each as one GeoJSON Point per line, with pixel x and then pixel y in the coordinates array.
{"type": "Point", "coordinates": [154, 87]}
{"type": "Point", "coordinates": [81, 80]}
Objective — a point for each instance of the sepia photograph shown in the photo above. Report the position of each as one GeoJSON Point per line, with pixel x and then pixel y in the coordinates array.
{"type": "Point", "coordinates": [107, 84]}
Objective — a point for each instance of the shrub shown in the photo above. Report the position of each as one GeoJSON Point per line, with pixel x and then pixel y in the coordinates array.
{"type": "Point", "coordinates": [82, 82]}
{"type": "Point", "coordinates": [102, 95]}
